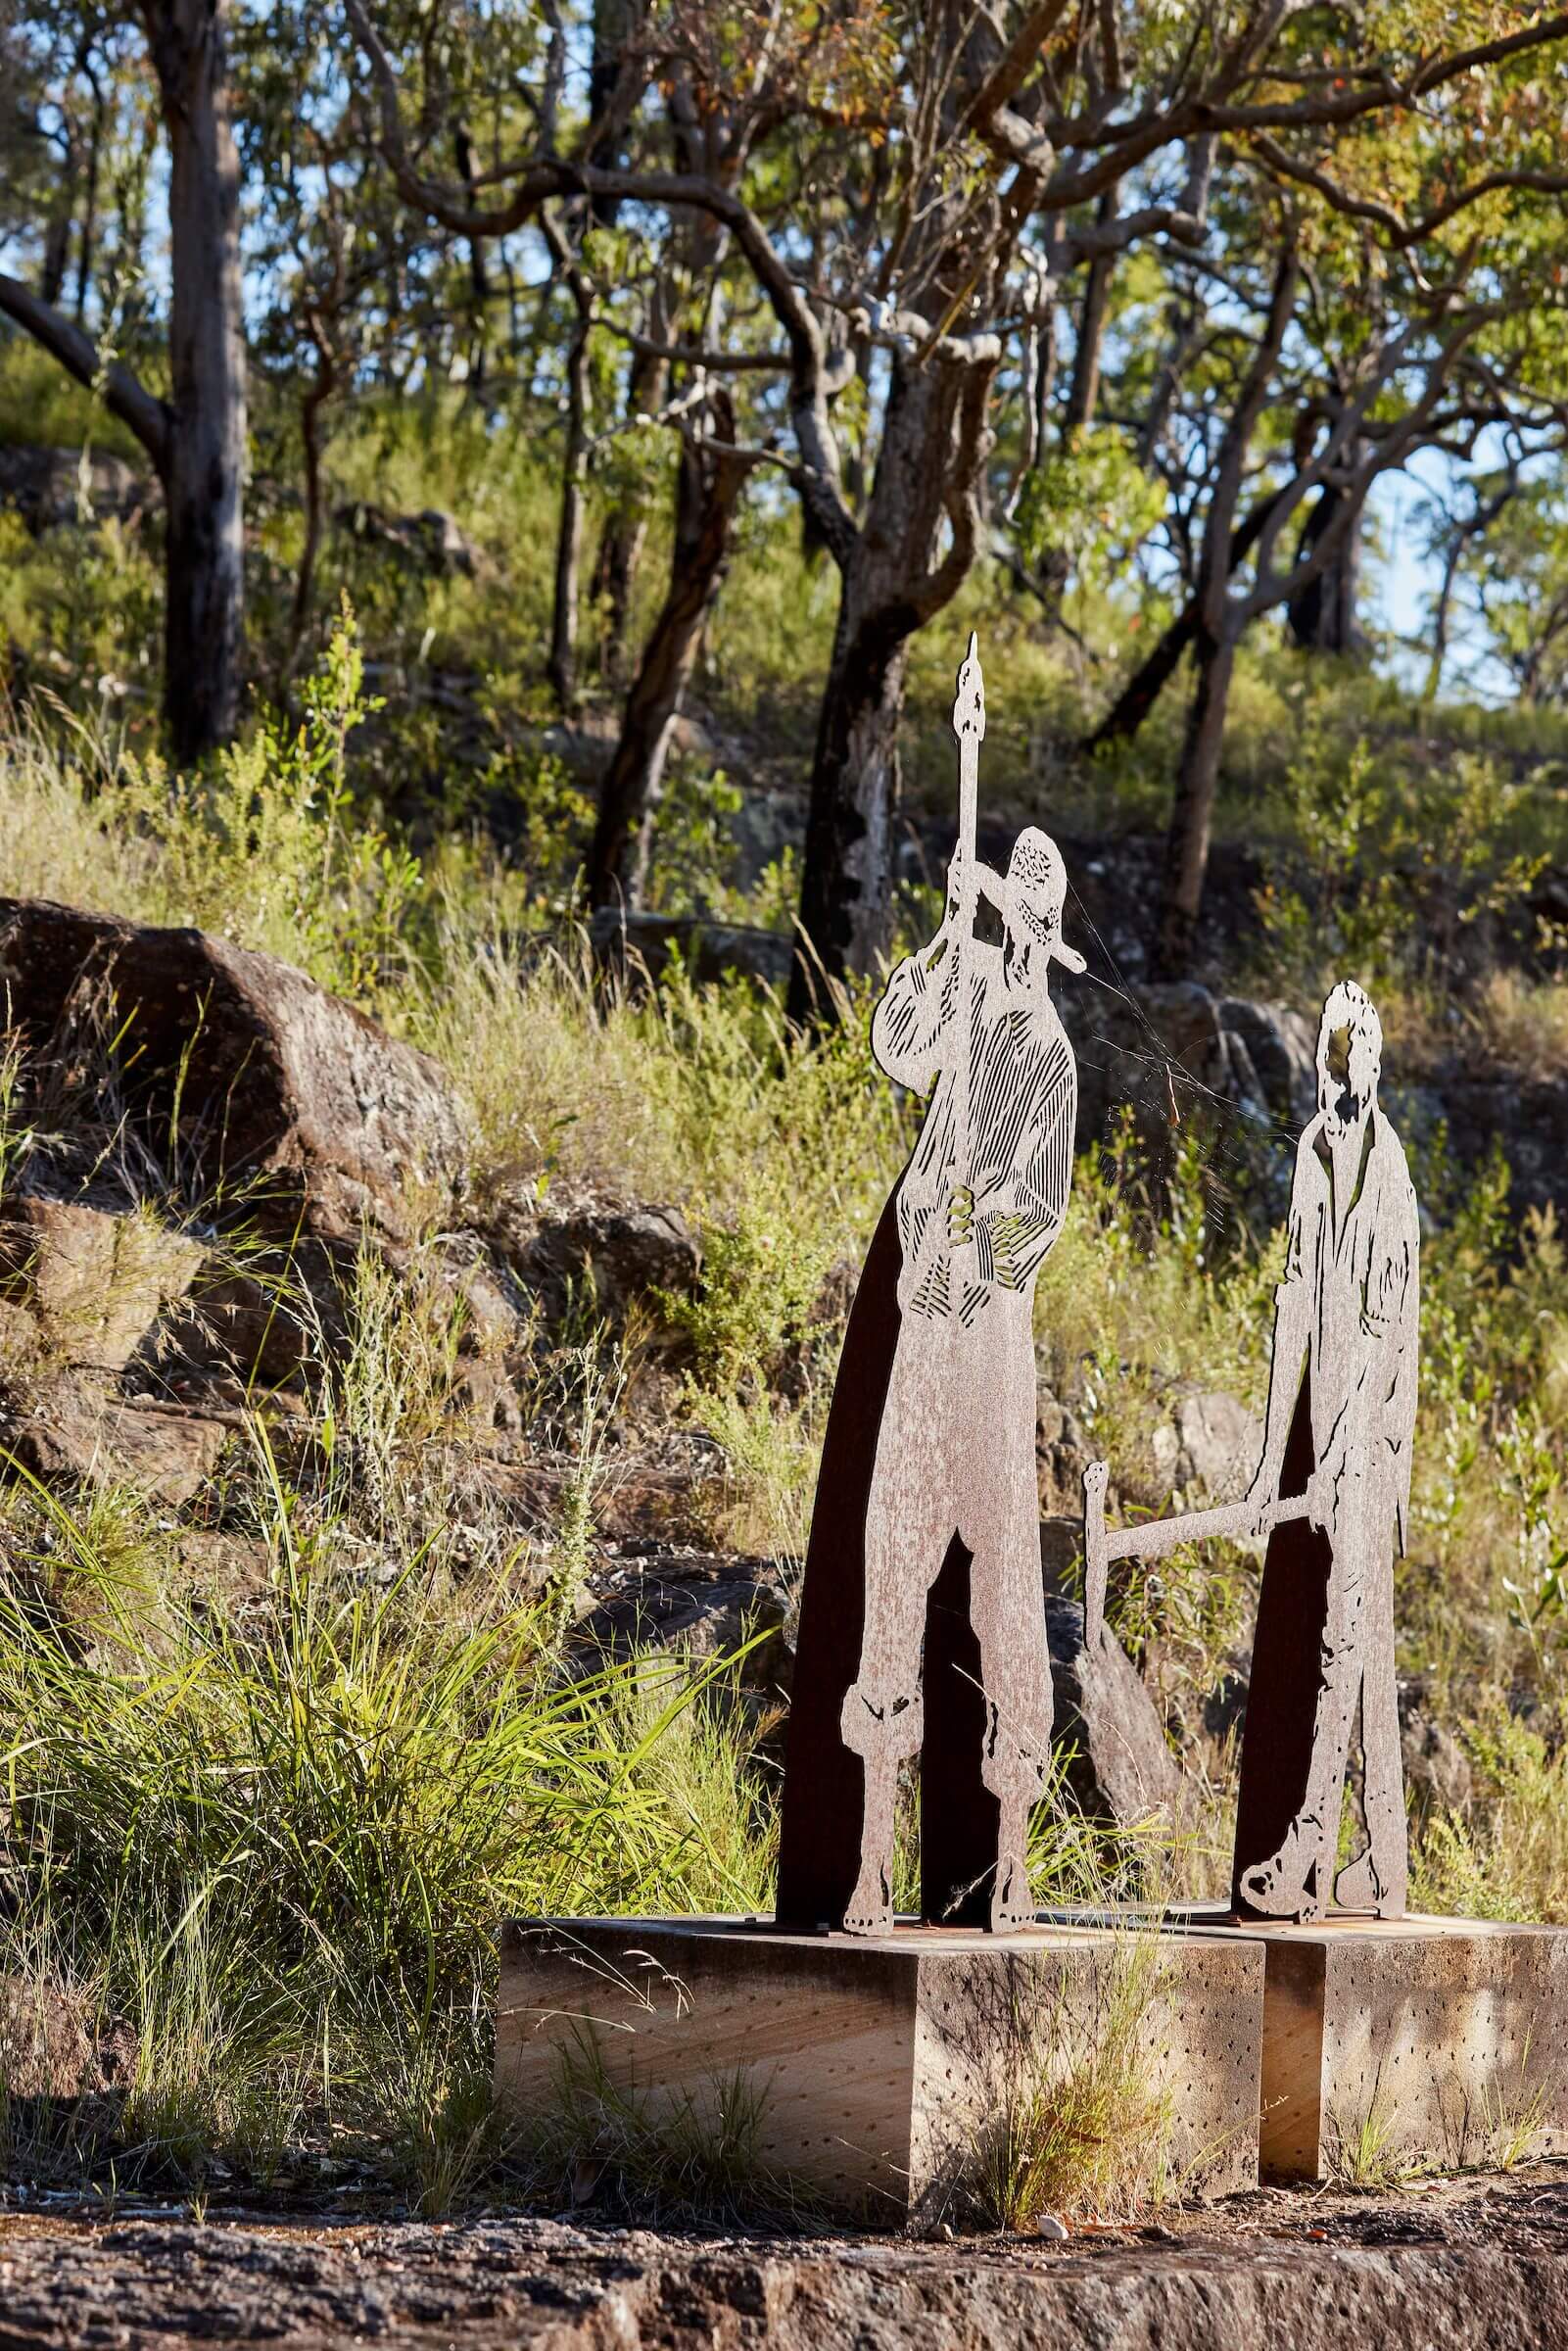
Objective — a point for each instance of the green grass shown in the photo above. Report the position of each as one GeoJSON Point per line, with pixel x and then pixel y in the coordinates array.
{"type": "Point", "coordinates": [1083, 2122]}
{"type": "Point", "coordinates": [272, 1833]}
{"type": "Point", "coordinates": [268, 1829]}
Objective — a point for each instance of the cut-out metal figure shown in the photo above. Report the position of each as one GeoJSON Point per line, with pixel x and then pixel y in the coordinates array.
{"type": "Point", "coordinates": [1341, 1422]}
{"type": "Point", "coordinates": [979, 1206]}
{"type": "Point", "coordinates": [1332, 1495]}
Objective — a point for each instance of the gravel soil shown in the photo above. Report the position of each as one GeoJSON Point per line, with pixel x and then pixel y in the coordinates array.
{"type": "Point", "coordinates": [1471, 2262]}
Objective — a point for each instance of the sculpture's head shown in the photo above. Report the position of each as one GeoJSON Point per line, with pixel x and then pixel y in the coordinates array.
{"type": "Point", "coordinates": [1350, 1056]}
{"type": "Point", "coordinates": [1036, 887]}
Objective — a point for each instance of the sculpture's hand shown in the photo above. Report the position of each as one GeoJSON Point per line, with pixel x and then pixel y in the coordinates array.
{"type": "Point", "coordinates": [960, 1216]}
{"type": "Point", "coordinates": [1323, 1493]}
{"type": "Point", "coordinates": [1262, 1499]}
{"type": "Point", "coordinates": [1006, 1236]}
{"type": "Point", "coordinates": [955, 890]}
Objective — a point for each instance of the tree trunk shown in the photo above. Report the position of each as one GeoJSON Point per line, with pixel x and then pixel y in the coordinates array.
{"type": "Point", "coordinates": [1159, 664]}
{"type": "Point", "coordinates": [320, 391]}
{"type": "Point", "coordinates": [88, 253]}
{"type": "Point", "coordinates": [626, 532]}
{"type": "Point", "coordinates": [847, 886]}
{"type": "Point", "coordinates": [1192, 817]}
{"type": "Point", "coordinates": [934, 450]}
{"type": "Point", "coordinates": [1083, 393]}
{"type": "Point", "coordinates": [55, 257]}
{"type": "Point", "coordinates": [708, 488]}
{"type": "Point", "coordinates": [1322, 618]}
{"type": "Point", "coordinates": [561, 666]}
{"type": "Point", "coordinates": [204, 553]}
{"type": "Point", "coordinates": [477, 271]}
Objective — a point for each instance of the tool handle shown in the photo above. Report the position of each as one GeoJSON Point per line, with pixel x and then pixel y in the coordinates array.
{"type": "Point", "coordinates": [969, 726]}
{"type": "Point", "coordinates": [1157, 1536]}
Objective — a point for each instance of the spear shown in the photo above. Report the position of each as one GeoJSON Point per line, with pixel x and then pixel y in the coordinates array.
{"type": "Point", "coordinates": [969, 725]}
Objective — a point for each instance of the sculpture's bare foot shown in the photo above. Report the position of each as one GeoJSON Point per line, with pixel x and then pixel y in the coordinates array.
{"type": "Point", "coordinates": [1013, 1901]}
{"type": "Point", "coordinates": [869, 1908]}
{"type": "Point", "coordinates": [1278, 1887]}
{"type": "Point", "coordinates": [1359, 1887]}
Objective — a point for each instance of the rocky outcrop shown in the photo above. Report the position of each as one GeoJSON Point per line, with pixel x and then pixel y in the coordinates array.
{"type": "Point", "coordinates": [431, 540]}
{"type": "Point", "coordinates": [641, 946]}
{"type": "Point", "coordinates": [46, 485]}
{"type": "Point", "coordinates": [84, 1428]}
{"type": "Point", "coordinates": [1208, 1447]}
{"type": "Point", "coordinates": [291, 1106]}
{"type": "Point", "coordinates": [608, 1255]}
{"type": "Point", "coordinates": [56, 2044]}
{"type": "Point", "coordinates": [1484, 2268]}
{"type": "Point", "coordinates": [1117, 1767]}
{"type": "Point", "coordinates": [93, 1282]}
{"type": "Point", "coordinates": [699, 1606]}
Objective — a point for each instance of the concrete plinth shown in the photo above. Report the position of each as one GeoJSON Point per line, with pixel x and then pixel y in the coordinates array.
{"type": "Point", "coordinates": [878, 2064]}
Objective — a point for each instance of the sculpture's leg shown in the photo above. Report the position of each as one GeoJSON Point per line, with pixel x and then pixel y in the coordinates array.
{"type": "Point", "coordinates": [883, 1723]}
{"type": "Point", "coordinates": [907, 1527]}
{"type": "Point", "coordinates": [1008, 1616]}
{"type": "Point", "coordinates": [1293, 1882]}
{"type": "Point", "coordinates": [1378, 1879]}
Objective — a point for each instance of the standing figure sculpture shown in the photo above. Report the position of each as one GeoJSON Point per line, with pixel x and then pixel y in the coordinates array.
{"type": "Point", "coordinates": [948, 1544]}
{"type": "Point", "coordinates": [1340, 1426]}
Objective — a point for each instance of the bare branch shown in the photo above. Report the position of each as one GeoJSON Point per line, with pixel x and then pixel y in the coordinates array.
{"type": "Point", "coordinates": [123, 394]}
{"type": "Point", "coordinates": [1399, 233]}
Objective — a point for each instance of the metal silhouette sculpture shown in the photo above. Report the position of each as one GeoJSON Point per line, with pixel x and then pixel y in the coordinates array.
{"type": "Point", "coordinates": [1332, 1493]}
{"type": "Point", "coordinates": [922, 1622]}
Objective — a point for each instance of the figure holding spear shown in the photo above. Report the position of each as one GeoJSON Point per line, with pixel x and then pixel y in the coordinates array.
{"type": "Point", "coordinates": [979, 1206]}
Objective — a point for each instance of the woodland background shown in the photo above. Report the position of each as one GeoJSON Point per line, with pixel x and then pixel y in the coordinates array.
{"type": "Point", "coordinates": [492, 499]}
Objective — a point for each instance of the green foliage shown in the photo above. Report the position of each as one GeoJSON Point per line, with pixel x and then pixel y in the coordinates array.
{"type": "Point", "coordinates": [1359, 2149]}
{"type": "Point", "coordinates": [270, 849]}
{"type": "Point", "coordinates": [689, 2155]}
{"type": "Point", "coordinates": [276, 1840]}
{"type": "Point", "coordinates": [1510, 1858]}
{"type": "Point", "coordinates": [1080, 2124]}
{"type": "Point", "coordinates": [42, 406]}
{"type": "Point", "coordinates": [1089, 504]}
{"type": "Point", "coordinates": [1398, 863]}
{"type": "Point", "coordinates": [760, 1278]}
{"type": "Point", "coordinates": [693, 842]}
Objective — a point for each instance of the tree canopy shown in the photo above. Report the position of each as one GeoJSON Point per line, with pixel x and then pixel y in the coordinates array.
{"type": "Point", "coordinates": [1133, 304]}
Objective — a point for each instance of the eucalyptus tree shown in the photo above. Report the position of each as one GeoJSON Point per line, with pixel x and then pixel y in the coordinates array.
{"type": "Point", "coordinates": [188, 410]}
{"type": "Point", "coordinates": [904, 211]}
{"type": "Point", "coordinates": [1508, 572]}
{"type": "Point", "coordinates": [1377, 332]}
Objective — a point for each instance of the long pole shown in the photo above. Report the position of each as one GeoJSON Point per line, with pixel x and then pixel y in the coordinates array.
{"type": "Point", "coordinates": [1155, 1537]}
{"type": "Point", "coordinates": [969, 725]}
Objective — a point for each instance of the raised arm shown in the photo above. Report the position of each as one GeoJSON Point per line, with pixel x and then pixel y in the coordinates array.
{"type": "Point", "coordinates": [912, 1029]}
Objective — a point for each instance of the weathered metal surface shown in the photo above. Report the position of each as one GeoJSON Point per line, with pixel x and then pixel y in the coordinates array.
{"type": "Point", "coordinates": [923, 1625]}
{"type": "Point", "coordinates": [1332, 1495]}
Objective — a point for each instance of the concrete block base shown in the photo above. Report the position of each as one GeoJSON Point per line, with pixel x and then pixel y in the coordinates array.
{"type": "Point", "coordinates": [880, 2064]}
{"type": "Point", "coordinates": [1436, 2044]}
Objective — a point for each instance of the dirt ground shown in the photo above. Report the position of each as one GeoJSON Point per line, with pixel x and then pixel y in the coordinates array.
{"type": "Point", "coordinates": [1461, 2262]}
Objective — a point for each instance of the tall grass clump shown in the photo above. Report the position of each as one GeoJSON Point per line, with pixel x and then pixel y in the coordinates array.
{"type": "Point", "coordinates": [1083, 2122]}
{"type": "Point", "coordinates": [278, 1833]}
{"type": "Point", "coordinates": [1508, 1857]}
